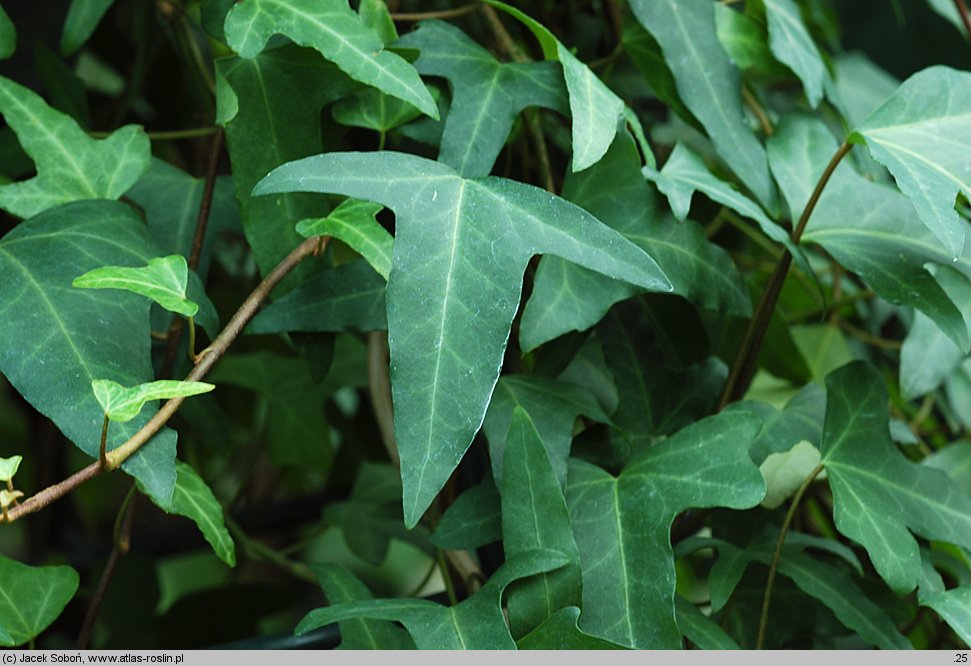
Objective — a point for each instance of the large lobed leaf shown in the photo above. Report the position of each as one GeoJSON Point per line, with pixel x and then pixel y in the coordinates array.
{"type": "Point", "coordinates": [339, 34]}
{"type": "Point", "coordinates": [31, 598]}
{"type": "Point", "coordinates": [622, 524]}
{"type": "Point", "coordinates": [71, 166]}
{"type": "Point", "coordinates": [461, 247]}
{"type": "Point", "coordinates": [55, 339]}
{"type": "Point", "coordinates": [879, 496]}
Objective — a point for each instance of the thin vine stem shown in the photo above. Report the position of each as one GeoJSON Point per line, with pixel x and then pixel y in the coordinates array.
{"type": "Point", "coordinates": [777, 555]}
{"type": "Point", "coordinates": [167, 135]}
{"type": "Point", "coordinates": [442, 14]}
{"type": "Point", "coordinates": [204, 363]}
{"type": "Point", "coordinates": [746, 360]}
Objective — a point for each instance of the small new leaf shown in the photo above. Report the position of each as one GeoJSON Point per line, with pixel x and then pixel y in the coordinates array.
{"type": "Point", "coordinates": [353, 222]}
{"type": "Point", "coordinates": [163, 280]}
{"type": "Point", "coordinates": [8, 497]}
{"type": "Point", "coordinates": [121, 403]}
{"type": "Point", "coordinates": [8, 467]}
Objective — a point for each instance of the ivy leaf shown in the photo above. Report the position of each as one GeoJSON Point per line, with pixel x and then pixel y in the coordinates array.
{"type": "Point", "coordinates": [561, 631]}
{"type": "Point", "coordinates": [83, 16]}
{"type": "Point", "coordinates": [163, 280]}
{"type": "Point", "coordinates": [954, 460]}
{"type": "Point", "coordinates": [333, 29]}
{"type": "Point", "coordinates": [193, 499]}
{"type": "Point", "coordinates": [270, 107]}
{"type": "Point", "coordinates": [8, 467]}
{"type": "Point", "coordinates": [800, 420]}
{"type": "Point", "coordinates": [461, 247]}
{"type": "Point", "coordinates": [685, 172]}
{"type": "Point", "coordinates": [921, 134]}
{"type": "Point", "coordinates": [487, 95]}
{"type": "Point", "coordinates": [347, 298]}
{"type": "Point", "coordinates": [534, 517]}
{"type": "Point", "coordinates": [622, 524]}
{"type": "Point", "coordinates": [568, 297]}
{"type": "Point", "coordinates": [8, 44]}
{"type": "Point", "coordinates": [879, 504]}
{"type": "Point", "coordinates": [122, 403]}
{"type": "Point", "coordinates": [8, 497]}
{"type": "Point", "coordinates": [472, 520]}
{"type": "Point", "coordinates": [474, 624]}
{"type": "Point", "coordinates": [927, 358]}
{"type": "Point", "coordinates": [341, 586]}
{"type": "Point", "coordinates": [594, 107]}
{"type": "Point", "coordinates": [785, 472]}
{"type": "Point", "coordinates": [70, 165]}
{"type": "Point", "coordinates": [954, 606]}
{"type": "Point", "coordinates": [700, 629]}
{"type": "Point", "coordinates": [553, 407]}
{"type": "Point", "coordinates": [31, 598]}
{"type": "Point", "coordinates": [709, 84]}
{"type": "Point", "coordinates": [373, 110]}
{"type": "Point", "coordinates": [791, 43]}
{"type": "Point", "coordinates": [354, 223]}
{"type": "Point", "coordinates": [746, 41]}
{"type": "Point", "coordinates": [375, 15]}
{"type": "Point", "coordinates": [43, 353]}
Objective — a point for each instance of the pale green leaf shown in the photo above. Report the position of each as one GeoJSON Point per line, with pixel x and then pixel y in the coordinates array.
{"type": "Point", "coordinates": [535, 517]}
{"type": "Point", "coordinates": [32, 597]}
{"type": "Point", "coordinates": [561, 631]}
{"type": "Point", "coordinates": [83, 17]}
{"type": "Point", "coordinates": [595, 108]}
{"type": "Point", "coordinates": [341, 586]}
{"type": "Point", "coordinates": [553, 407]}
{"type": "Point", "coordinates": [922, 134]}
{"type": "Point", "coordinates": [163, 280]}
{"type": "Point", "coordinates": [121, 403]}
{"type": "Point", "coordinates": [78, 335]}
{"type": "Point", "coordinates": [879, 496]}
{"type": "Point", "coordinates": [354, 223]}
{"type": "Point", "coordinates": [567, 297]}
{"type": "Point", "coordinates": [347, 298]}
{"type": "Point", "coordinates": [861, 86]}
{"type": "Point", "coordinates": [8, 467]}
{"type": "Point", "coordinates": [955, 461]}
{"type": "Point", "coordinates": [8, 497]}
{"type": "Point", "coordinates": [472, 520]}
{"type": "Point", "coordinates": [709, 84]}
{"type": "Point", "coordinates": [8, 41]}
{"type": "Point", "coordinates": [927, 357]}
{"type": "Point", "coordinates": [791, 43]}
{"type": "Point", "coordinates": [70, 165]}
{"type": "Point", "coordinates": [700, 629]}
{"type": "Point", "coordinates": [461, 247]}
{"type": "Point", "coordinates": [474, 624]}
{"type": "Point", "coordinates": [785, 472]}
{"type": "Point", "coordinates": [622, 524]}
{"type": "Point", "coordinates": [375, 15]}
{"type": "Point", "coordinates": [193, 499]}
{"type": "Point", "coordinates": [333, 29]}
{"type": "Point", "coordinates": [745, 39]}
{"type": "Point", "coordinates": [954, 606]}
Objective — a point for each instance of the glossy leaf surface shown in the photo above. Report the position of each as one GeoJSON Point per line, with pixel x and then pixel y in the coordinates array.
{"type": "Point", "coordinates": [461, 247]}
{"type": "Point", "coordinates": [122, 403]}
{"type": "Point", "coordinates": [163, 280]}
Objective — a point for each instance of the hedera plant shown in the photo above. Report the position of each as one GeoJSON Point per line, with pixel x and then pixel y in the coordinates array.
{"type": "Point", "coordinates": [634, 324]}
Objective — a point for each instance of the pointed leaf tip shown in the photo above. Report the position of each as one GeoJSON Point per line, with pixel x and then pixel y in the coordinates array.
{"type": "Point", "coordinates": [123, 404]}
{"type": "Point", "coordinates": [163, 280]}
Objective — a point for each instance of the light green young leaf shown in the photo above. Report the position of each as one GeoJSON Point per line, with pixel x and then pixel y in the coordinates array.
{"type": "Point", "coordinates": [121, 403]}
{"type": "Point", "coordinates": [595, 108]}
{"type": "Point", "coordinates": [42, 353]}
{"type": "Point", "coordinates": [8, 467]}
{"type": "Point", "coordinates": [83, 17]}
{"type": "Point", "coordinates": [70, 165]}
{"type": "Point", "coordinates": [7, 497]}
{"type": "Point", "coordinates": [746, 40]}
{"type": "Point", "coordinates": [461, 247]}
{"type": "Point", "coordinates": [534, 517]}
{"type": "Point", "coordinates": [879, 496]}
{"type": "Point", "coordinates": [474, 624]}
{"type": "Point", "coordinates": [193, 499]}
{"type": "Point", "coordinates": [791, 43]}
{"type": "Point", "coordinates": [567, 297]}
{"type": "Point", "coordinates": [487, 96]}
{"type": "Point", "coordinates": [333, 29]}
{"type": "Point", "coordinates": [163, 280]}
{"type": "Point", "coordinates": [709, 84]}
{"type": "Point", "coordinates": [354, 223]}
{"type": "Point", "coordinates": [347, 298]}
{"type": "Point", "coordinates": [622, 525]}
{"type": "Point", "coordinates": [685, 172]}
{"type": "Point", "coordinates": [553, 407]}
{"type": "Point", "coordinates": [700, 629]}
{"type": "Point", "coordinates": [31, 598]}
{"type": "Point", "coordinates": [954, 606]}
{"type": "Point", "coordinates": [922, 134]}
{"type": "Point", "coordinates": [561, 631]}
{"type": "Point", "coordinates": [8, 41]}
{"type": "Point", "coordinates": [341, 586]}
{"type": "Point", "coordinates": [785, 472]}
{"type": "Point", "coordinates": [955, 461]}
{"type": "Point", "coordinates": [472, 520]}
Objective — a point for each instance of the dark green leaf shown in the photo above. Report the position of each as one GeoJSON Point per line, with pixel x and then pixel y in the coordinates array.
{"type": "Point", "coordinates": [82, 18]}
{"type": "Point", "coordinates": [471, 521]}
{"type": "Point", "coordinates": [193, 499]}
{"type": "Point", "coordinates": [8, 39]}
{"type": "Point", "coordinates": [31, 598]}
{"type": "Point", "coordinates": [461, 246]}
{"type": "Point", "coordinates": [955, 607]}
{"type": "Point", "coordinates": [700, 629]}
{"type": "Point", "coordinates": [56, 339]}
{"type": "Point", "coordinates": [372, 109]}
{"type": "Point", "coordinates": [561, 631]}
